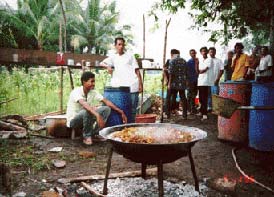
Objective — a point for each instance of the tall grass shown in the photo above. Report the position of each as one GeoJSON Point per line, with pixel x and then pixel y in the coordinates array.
{"type": "Point", "coordinates": [37, 92]}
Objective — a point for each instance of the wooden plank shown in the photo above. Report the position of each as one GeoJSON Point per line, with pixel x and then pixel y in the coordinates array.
{"type": "Point", "coordinates": [149, 172]}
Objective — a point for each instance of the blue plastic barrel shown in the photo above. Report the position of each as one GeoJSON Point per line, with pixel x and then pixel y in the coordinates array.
{"type": "Point", "coordinates": [120, 96]}
{"type": "Point", "coordinates": [261, 122]}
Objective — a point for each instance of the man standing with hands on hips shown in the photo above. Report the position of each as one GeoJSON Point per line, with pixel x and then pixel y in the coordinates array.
{"type": "Point", "coordinates": [125, 72]}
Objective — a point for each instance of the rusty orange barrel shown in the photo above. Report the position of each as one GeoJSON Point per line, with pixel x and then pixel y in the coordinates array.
{"type": "Point", "coordinates": [235, 128]}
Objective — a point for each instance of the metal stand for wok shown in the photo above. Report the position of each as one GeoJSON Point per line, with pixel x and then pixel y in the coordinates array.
{"type": "Point", "coordinates": [159, 172]}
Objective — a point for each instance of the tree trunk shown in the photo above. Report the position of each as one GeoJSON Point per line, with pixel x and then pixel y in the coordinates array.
{"type": "Point", "coordinates": [60, 37]}
{"type": "Point", "coordinates": [40, 46]}
{"type": "Point", "coordinates": [65, 24]}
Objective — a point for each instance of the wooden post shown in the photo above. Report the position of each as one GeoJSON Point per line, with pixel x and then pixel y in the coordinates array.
{"type": "Point", "coordinates": [164, 60]}
{"type": "Point", "coordinates": [61, 88]}
{"type": "Point", "coordinates": [144, 54]}
{"type": "Point", "coordinates": [144, 37]}
{"type": "Point", "coordinates": [71, 79]}
{"type": "Point", "coordinates": [142, 97]}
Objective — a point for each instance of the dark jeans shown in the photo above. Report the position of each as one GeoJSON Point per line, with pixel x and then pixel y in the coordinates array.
{"type": "Point", "coordinates": [170, 102]}
{"type": "Point", "coordinates": [192, 92]}
{"type": "Point", "coordinates": [203, 97]}
{"type": "Point", "coordinates": [173, 94]}
{"type": "Point", "coordinates": [86, 121]}
{"type": "Point", "coordinates": [134, 104]}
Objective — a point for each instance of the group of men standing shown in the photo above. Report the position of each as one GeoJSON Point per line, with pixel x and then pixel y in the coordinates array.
{"type": "Point", "coordinates": [203, 76]}
{"type": "Point", "coordinates": [85, 110]}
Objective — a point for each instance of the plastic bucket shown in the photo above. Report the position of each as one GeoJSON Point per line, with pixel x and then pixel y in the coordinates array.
{"type": "Point", "coordinates": [120, 96]}
{"type": "Point", "coordinates": [261, 122]}
{"type": "Point", "coordinates": [235, 128]}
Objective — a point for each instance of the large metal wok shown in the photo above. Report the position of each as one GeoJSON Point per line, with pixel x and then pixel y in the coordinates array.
{"type": "Point", "coordinates": [152, 153]}
{"type": "Point", "coordinates": [155, 154]}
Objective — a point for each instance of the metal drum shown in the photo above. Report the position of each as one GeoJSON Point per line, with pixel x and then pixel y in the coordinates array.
{"type": "Point", "coordinates": [120, 96]}
{"type": "Point", "coordinates": [235, 129]}
{"type": "Point", "coordinates": [261, 122]}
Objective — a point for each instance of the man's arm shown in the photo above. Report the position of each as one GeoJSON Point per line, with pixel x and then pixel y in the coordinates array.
{"type": "Point", "coordinates": [92, 110]}
{"type": "Point", "coordinates": [114, 107]}
{"type": "Point", "coordinates": [234, 60]}
{"type": "Point", "coordinates": [197, 65]}
{"type": "Point", "coordinates": [106, 66]}
{"type": "Point", "coordinates": [203, 70]}
{"type": "Point", "coordinates": [218, 77]}
{"type": "Point", "coordinates": [137, 71]}
{"type": "Point", "coordinates": [221, 71]}
{"type": "Point", "coordinates": [246, 65]}
{"type": "Point", "coordinates": [208, 63]}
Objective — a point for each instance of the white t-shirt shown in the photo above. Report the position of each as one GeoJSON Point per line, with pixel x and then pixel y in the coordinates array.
{"type": "Point", "coordinates": [265, 62]}
{"type": "Point", "coordinates": [204, 78]}
{"type": "Point", "coordinates": [124, 71]}
{"type": "Point", "coordinates": [74, 107]}
{"type": "Point", "coordinates": [217, 66]}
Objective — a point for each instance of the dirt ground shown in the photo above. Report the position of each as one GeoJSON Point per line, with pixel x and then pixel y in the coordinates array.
{"type": "Point", "coordinates": [212, 158]}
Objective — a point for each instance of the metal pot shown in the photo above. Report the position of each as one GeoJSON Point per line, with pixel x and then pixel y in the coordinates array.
{"type": "Point", "coordinates": [153, 153]}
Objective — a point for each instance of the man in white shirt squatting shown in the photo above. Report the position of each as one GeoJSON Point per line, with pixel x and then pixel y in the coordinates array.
{"type": "Point", "coordinates": [84, 109]}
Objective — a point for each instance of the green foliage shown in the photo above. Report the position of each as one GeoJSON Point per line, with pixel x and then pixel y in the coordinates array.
{"type": "Point", "coordinates": [238, 17]}
{"type": "Point", "coordinates": [37, 92]}
{"type": "Point", "coordinates": [152, 83]}
{"type": "Point", "coordinates": [35, 25]}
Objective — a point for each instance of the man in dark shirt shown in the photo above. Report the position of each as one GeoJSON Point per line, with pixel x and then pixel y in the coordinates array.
{"type": "Point", "coordinates": [227, 66]}
{"type": "Point", "coordinates": [171, 104]}
{"type": "Point", "coordinates": [192, 66]}
{"type": "Point", "coordinates": [178, 79]}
